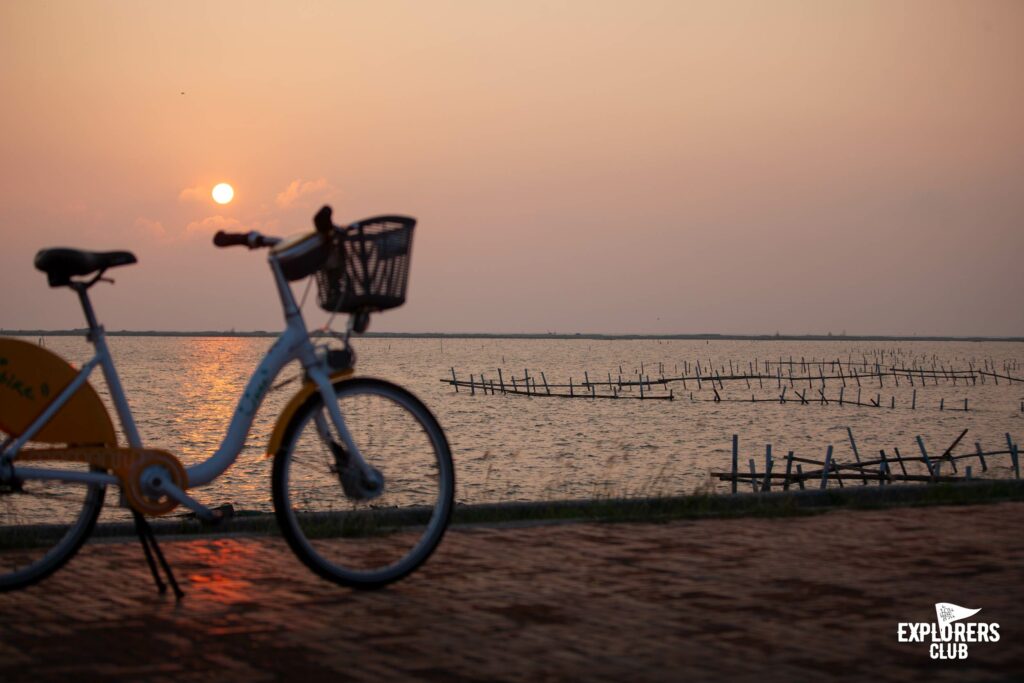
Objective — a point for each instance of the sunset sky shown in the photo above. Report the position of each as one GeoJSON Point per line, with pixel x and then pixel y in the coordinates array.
{"type": "Point", "coordinates": [588, 166]}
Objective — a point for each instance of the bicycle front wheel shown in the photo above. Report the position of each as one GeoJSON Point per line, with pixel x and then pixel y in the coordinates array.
{"type": "Point", "coordinates": [371, 542]}
{"type": "Point", "coordinates": [43, 523]}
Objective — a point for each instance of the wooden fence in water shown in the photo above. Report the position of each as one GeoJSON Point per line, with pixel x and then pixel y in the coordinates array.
{"type": "Point", "coordinates": [802, 383]}
{"type": "Point", "coordinates": [880, 470]}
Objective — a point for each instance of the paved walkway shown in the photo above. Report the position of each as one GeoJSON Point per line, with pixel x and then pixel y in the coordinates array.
{"type": "Point", "coordinates": [783, 599]}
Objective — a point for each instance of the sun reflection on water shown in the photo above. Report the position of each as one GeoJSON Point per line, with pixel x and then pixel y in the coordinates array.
{"type": "Point", "coordinates": [222, 578]}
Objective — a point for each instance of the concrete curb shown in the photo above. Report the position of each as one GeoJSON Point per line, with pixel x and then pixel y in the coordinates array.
{"type": "Point", "coordinates": [652, 509]}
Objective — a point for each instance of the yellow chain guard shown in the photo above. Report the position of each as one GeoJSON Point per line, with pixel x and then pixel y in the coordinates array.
{"type": "Point", "coordinates": [127, 463]}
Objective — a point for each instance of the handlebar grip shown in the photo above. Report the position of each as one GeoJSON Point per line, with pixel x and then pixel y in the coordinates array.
{"type": "Point", "coordinates": [322, 220]}
{"type": "Point", "coordinates": [231, 239]}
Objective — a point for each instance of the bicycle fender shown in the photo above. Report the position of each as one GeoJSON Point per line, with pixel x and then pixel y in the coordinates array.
{"type": "Point", "coordinates": [300, 397]}
{"type": "Point", "coordinates": [30, 379]}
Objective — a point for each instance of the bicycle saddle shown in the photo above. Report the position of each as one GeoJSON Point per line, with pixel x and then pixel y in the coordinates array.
{"type": "Point", "coordinates": [61, 263]}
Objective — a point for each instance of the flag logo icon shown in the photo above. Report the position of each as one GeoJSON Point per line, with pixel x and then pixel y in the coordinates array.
{"type": "Point", "coordinates": [947, 612]}
{"type": "Point", "coordinates": [949, 636]}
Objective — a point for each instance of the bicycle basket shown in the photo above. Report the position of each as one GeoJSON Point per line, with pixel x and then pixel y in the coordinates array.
{"type": "Point", "coordinates": [368, 267]}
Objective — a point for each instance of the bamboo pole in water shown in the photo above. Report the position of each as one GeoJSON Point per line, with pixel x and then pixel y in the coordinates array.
{"type": "Point", "coordinates": [735, 456]}
{"type": "Point", "coordinates": [856, 453]}
{"type": "Point", "coordinates": [1014, 456]}
{"type": "Point", "coordinates": [826, 468]}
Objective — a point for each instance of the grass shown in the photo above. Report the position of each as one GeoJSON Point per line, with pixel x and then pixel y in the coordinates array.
{"type": "Point", "coordinates": [780, 504]}
{"type": "Point", "coordinates": [604, 510]}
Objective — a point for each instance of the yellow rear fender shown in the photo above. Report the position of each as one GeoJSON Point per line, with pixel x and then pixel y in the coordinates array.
{"type": "Point", "coordinates": [296, 402]}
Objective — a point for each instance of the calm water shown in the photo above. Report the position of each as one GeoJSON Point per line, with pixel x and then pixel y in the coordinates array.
{"type": "Point", "coordinates": [512, 448]}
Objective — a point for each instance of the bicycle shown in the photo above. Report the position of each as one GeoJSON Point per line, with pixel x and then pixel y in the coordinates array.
{"type": "Point", "coordinates": [362, 481]}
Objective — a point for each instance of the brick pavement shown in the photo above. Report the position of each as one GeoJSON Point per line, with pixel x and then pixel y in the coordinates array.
{"type": "Point", "coordinates": [751, 599]}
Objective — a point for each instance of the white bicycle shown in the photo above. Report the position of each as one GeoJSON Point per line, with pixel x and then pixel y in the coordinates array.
{"type": "Point", "coordinates": [363, 481]}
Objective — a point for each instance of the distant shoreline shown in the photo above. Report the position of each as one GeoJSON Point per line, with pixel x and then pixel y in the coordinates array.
{"type": "Point", "coordinates": [528, 335]}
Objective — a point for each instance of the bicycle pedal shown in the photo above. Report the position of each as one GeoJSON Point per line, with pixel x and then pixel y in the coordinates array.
{"type": "Point", "coordinates": [216, 516]}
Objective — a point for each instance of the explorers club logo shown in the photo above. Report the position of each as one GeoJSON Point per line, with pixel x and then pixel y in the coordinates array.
{"type": "Point", "coordinates": [949, 636]}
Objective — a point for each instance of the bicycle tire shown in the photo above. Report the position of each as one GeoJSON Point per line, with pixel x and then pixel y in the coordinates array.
{"type": "Point", "coordinates": [365, 544]}
{"type": "Point", "coordinates": [27, 527]}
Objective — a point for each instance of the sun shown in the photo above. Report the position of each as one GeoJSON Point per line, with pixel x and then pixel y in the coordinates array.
{"type": "Point", "coordinates": [223, 193]}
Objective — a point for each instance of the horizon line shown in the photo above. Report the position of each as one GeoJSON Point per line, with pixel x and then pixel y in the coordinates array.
{"type": "Point", "coordinates": [703, 336]}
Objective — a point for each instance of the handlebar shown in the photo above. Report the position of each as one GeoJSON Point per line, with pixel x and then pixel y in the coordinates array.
{"type": "Point", "coordinates": [251, 239]}
{"type": "Point", "coordinates": [254, 240]}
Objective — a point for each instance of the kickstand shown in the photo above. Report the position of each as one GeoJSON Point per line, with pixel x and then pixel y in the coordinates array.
{"type": "Point", "coordinates": [151, 548]}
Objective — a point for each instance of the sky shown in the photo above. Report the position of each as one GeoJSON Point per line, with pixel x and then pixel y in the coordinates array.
{"type": "Point", "coordinates": [794, 166]}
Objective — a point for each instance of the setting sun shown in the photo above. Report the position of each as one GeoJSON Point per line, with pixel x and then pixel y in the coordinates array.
{"type": "Point", "coordinates": [223, 193]}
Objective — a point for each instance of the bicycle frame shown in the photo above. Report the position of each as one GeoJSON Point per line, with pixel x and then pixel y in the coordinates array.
{"type": "Point", "coordinates": [293, 344]}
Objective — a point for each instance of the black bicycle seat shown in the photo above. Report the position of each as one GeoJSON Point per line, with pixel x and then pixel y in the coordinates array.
{"type": "Point", "coordinates": [60, 263]}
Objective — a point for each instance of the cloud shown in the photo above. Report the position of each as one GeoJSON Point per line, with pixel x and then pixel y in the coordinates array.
{"type": "Point", "coordinates": [212, 224]}
{"type": "Point", "coordinates": [193, 194]}
{"type": "Point", "coordinates": [151, 227]}
{"type": "Point", "coordinates": [300, 191]}
{"type": "Point", "coordinates": [268, 227]}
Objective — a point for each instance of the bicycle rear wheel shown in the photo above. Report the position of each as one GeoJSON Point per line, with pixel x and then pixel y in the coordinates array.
{"type": "Point", "coordinates": [365, 543]}
{"type": "Point", "coordinates": [43, 523]}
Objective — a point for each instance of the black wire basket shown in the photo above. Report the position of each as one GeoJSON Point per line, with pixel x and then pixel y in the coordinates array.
{"type": "Point", "coordinates": [367, 269]}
